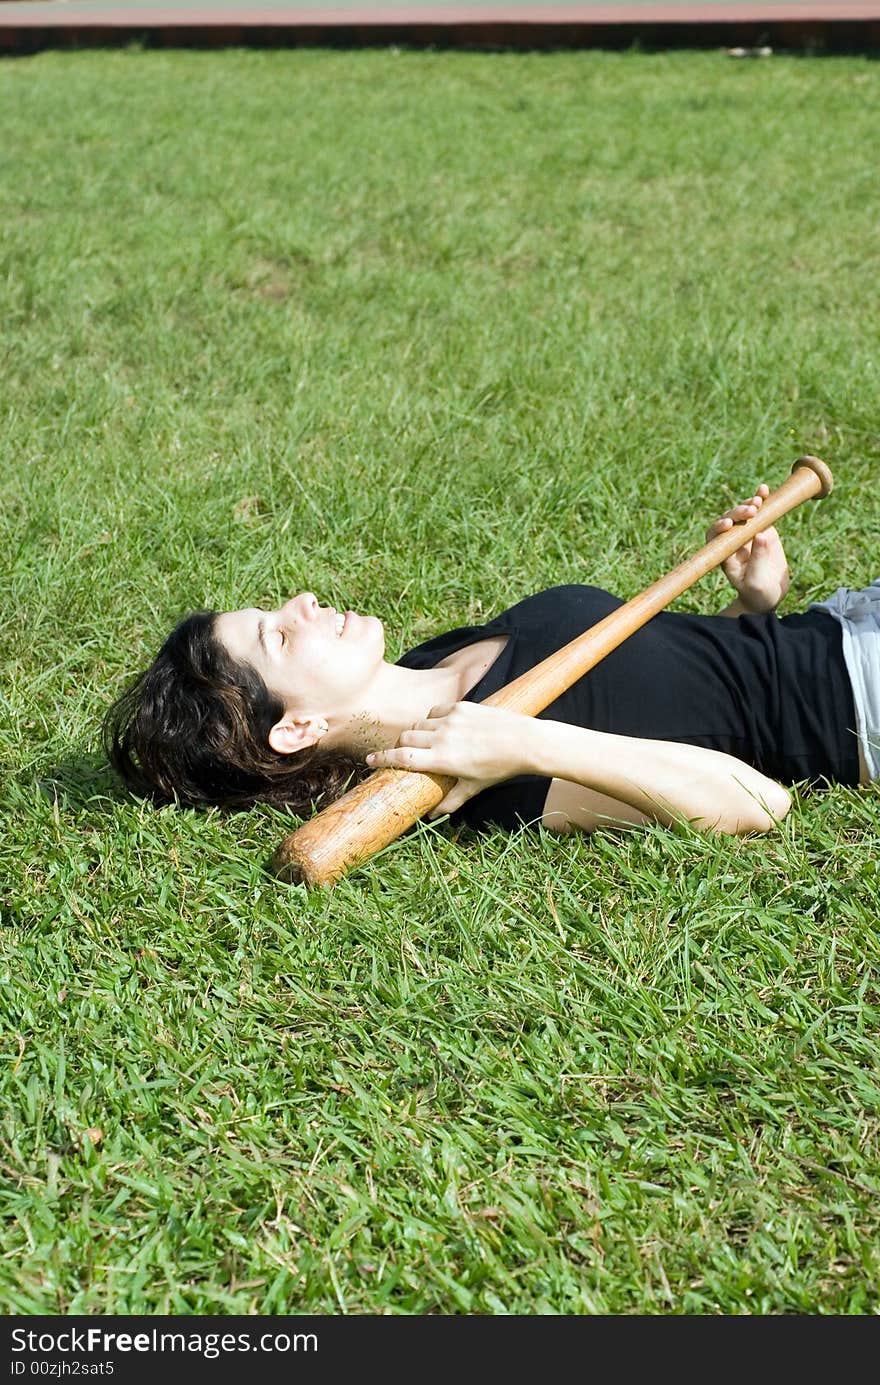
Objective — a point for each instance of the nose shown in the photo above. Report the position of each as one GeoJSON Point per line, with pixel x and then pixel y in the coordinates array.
{"type": "Point", "coordinates": [303, 606]}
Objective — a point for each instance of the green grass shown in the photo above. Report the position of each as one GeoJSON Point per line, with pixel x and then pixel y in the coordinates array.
{"type": "Point", "coordinates": [424, 333]}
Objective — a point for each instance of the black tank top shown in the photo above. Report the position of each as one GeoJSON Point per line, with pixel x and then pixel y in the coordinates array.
{"type": "Point", "coordinates": [773, 692]}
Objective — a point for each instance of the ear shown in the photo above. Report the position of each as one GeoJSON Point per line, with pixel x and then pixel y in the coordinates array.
{"type": "Point", "coordinates": [288, 736]}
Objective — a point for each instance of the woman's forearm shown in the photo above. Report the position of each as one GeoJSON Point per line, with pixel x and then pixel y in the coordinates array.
{"type": "Point", "coordinates": [664, 779]}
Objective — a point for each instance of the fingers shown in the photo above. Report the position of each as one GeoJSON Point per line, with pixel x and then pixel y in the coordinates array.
{"type": "Point", "coordinates": [744, 510]}
{"type": "Point", "coordinates": [767, 542]}
{"type": "Point", "coordinates": [456, 798]}
{"type": "Point", "coordinates": [429, 723]}
{"type": "Point", "coordinates": [738, 514]}
{"type": "Point", "coordinates": [750, 506]}
{"type": "Point", "coordinates": [414, 736]}
{"type": "Point", "coordinates": [421, 736]}
{"type": "Point", "coordinates": [401, 757]}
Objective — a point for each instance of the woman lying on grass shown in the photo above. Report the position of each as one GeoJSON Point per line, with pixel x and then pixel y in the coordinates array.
{"type": "Point", "coordinates": [700, 717]}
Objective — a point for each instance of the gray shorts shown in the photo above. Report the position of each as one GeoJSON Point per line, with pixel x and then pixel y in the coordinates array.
{"type": "Point", "coordinates": [859, 617]}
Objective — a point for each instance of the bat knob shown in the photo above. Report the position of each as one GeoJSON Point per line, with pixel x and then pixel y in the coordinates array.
{"type": "Point", "coordinates": [822, 470]}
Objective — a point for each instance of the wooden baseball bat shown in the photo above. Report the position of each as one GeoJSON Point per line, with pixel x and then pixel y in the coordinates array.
{"type": "Point", "coordinates": [381, 808]}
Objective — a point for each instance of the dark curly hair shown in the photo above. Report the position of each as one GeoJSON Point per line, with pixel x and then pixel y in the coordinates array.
{"type": "Point", "coordinates": [193, 728]}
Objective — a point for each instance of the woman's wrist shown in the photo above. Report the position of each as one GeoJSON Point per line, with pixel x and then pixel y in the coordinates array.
{"type": "Point", "coordinates": [544, 746]}
{"type": "Point", "coordinates": [526, 749]}
{"type": "Point", "coordinates": [738, 607]}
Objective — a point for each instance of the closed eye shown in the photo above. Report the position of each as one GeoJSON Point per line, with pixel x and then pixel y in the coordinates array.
{"type": "Point", "coordinates": [262, 632]}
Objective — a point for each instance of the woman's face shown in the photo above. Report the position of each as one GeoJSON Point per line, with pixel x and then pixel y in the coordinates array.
{"type": "Point", "coordinates": [300, 655]}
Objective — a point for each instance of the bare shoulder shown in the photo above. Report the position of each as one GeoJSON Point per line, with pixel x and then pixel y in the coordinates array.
{"type": "Point", "coordinates": [475, 660]}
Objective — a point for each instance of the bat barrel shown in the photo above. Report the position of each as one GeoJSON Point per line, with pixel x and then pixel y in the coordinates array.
{"type": "Point", "coordinates": [381, 808]}
{"type": "Point", "coordinates": [358, 825]}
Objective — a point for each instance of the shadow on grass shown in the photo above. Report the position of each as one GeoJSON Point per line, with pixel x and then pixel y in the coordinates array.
{"type": "Point", "coordinates": [77, 780]}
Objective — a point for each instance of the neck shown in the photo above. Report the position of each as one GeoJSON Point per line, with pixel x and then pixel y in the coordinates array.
{"type": "Point", "coordinates": [395, 699]}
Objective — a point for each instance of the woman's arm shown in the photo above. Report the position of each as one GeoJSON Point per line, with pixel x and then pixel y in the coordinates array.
{"type": "Point", "coordinates": [654, 780]}
{"type": "Point", "coordinates": [595, 773]}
